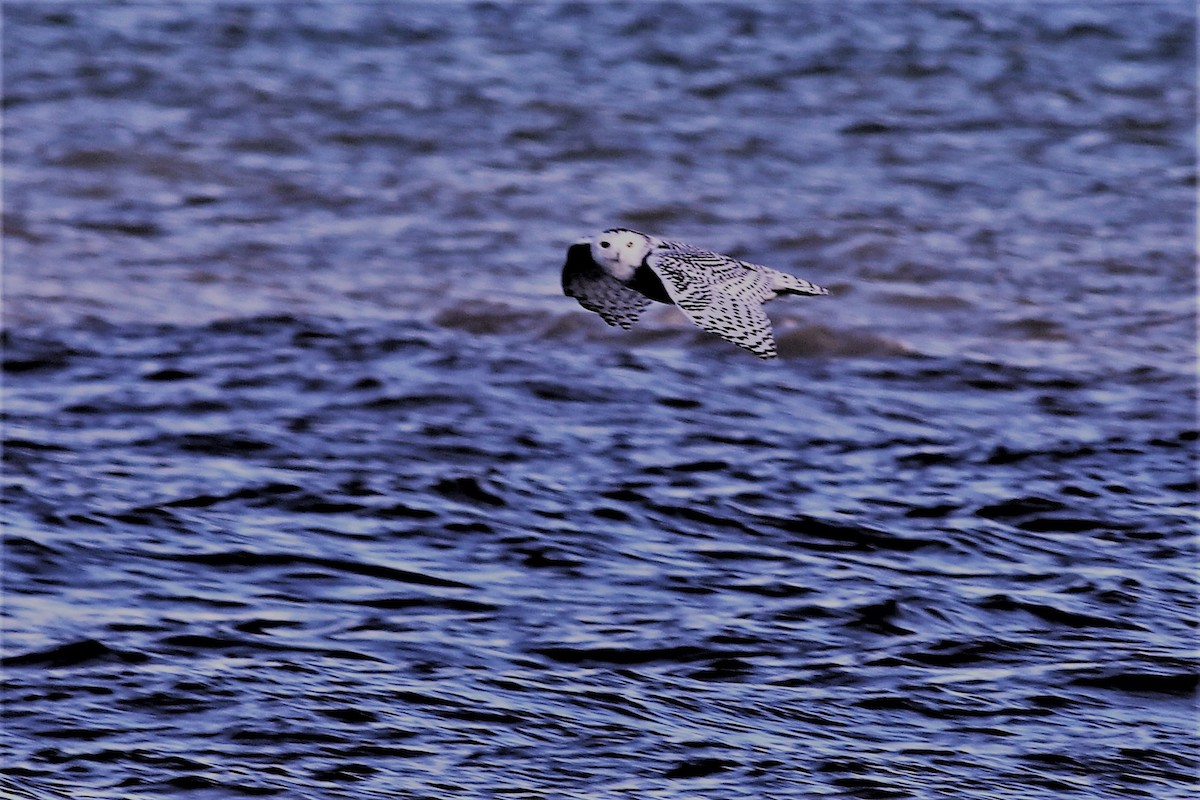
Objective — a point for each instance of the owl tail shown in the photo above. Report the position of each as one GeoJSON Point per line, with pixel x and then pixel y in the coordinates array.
{"type": "Point", "coordinates": [790, 284]}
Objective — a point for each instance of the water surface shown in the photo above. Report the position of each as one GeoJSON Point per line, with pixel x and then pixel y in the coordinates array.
{"type": "Point", "coordinates": [316, 486]}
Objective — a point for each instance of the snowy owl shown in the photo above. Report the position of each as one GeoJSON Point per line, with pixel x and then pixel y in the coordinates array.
{"type": "Point", "coordinates": [618, 273]}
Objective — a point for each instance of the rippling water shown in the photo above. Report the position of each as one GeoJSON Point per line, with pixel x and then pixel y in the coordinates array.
{"type": "Point", "coordinates": [316, 486]}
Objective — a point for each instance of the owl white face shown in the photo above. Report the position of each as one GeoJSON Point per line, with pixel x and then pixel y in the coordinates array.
{"type": "Point", "coordinates": [620, 251]}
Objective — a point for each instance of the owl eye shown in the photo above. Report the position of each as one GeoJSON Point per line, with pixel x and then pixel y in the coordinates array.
{"type": "Point", "coordinates": [629, 244]}
{"type": "Point", "coordinates": [605, 245]}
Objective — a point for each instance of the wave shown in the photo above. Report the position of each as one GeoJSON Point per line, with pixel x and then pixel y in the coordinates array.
{"type": "Point", "coordinates": [663, 326]}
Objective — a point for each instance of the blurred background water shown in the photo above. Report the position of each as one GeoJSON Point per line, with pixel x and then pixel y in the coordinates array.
{"type": "Point", "coordinates": [316, 485]}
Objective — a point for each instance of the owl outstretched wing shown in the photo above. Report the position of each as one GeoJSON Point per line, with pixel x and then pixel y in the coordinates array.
{"type": "Point", "coordinates": [720, 294]}
{"type": "Point", "coordinates": [596, 290]}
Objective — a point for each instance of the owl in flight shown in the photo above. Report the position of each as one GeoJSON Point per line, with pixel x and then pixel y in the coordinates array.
{"type": "Point", "coordinates": [619, 272]}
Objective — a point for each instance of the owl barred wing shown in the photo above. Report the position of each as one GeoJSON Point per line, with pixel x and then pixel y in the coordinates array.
{"type": "Point", "coordinates": [720, 294]}
{"type": "Point", "coordinates": [598, 291]}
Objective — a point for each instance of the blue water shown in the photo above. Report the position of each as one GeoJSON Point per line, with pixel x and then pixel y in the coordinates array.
{"type": "Point", "coordinates": [316, 486]}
